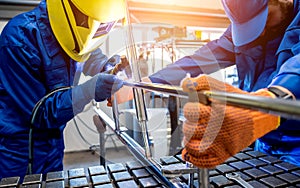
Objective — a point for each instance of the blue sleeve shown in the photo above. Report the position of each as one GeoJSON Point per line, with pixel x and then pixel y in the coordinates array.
{"type": "Point", "coordinates": [20, 77]}
{"type": "Point", "coordinates": [22, 84]}
{"type": "Point", "coordinates": [288, 75]}
{"type": "Point", "coordinates": [213, 56]}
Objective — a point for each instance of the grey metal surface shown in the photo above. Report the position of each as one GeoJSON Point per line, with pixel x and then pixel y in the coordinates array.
{"type": "Point", "coordinates": [204, 178]}
{"type": "Point", "coordinates": [176, 170]}
{"type": "Point", "coordinates": [281, 107]}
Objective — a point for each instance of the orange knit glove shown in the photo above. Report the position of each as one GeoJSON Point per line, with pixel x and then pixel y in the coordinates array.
{"type": "Point", "coordinates": [216, 132]}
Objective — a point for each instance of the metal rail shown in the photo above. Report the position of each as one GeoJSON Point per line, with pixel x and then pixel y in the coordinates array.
{"type": "Point", "coordinates": [281, 107]}
{"type": "Point", "coordinates": [162, 88]}
{"type": "Point", "coordinates": [134, 148]}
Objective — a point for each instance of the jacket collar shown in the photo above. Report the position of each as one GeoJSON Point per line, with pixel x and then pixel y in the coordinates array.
{"type": "Point", "coordinates": [51, 45]}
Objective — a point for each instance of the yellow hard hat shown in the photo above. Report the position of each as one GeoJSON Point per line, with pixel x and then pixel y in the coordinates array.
{"type": "Point", "coordinates": [80, 27]}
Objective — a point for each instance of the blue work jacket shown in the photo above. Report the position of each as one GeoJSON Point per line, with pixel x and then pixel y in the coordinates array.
{"type": "Point", "coordinates": [260, 64]}
{"type": "Point", "coordinates": [32, 64]}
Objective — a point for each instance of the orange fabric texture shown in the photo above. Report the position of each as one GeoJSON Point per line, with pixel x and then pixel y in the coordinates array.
{"type": "Point", "coordinates": [216, 132]}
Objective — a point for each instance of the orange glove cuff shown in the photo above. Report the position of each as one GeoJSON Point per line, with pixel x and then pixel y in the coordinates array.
{"type": "Point", "coordinates": [262, 122]}
{"type": "Point", "coordinates": [205, 82]}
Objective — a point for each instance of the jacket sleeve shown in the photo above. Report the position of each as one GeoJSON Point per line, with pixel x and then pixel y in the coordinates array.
{"type": "Point", "coordinates": [21, 83]}
{"type": "Point", "coordinates": [288, 75]}
{"type": "Point", "coordinates": [213, 56]}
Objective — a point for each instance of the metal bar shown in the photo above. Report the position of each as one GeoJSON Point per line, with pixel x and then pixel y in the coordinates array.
{"type": "Point", "coordinates": [285, 108]}
{"type": "Point", "coordinates": [134, 148]}
{"type": "Point", "coordinates": [115, 113]}
{"type": "Point", "coordinates": [102, 151]}
{"type": "Point", "coordinates": [191, 176]}
{"type": "Point", "coordinates": [163, 88]}
{"type": "Point", "coordinates": [138, 93]}
{"type": "Point", "coordinates": [204, 178]}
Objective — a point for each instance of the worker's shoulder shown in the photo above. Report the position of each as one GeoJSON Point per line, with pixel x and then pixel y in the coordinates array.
{"type": "Point", "coordinates": [19, 28]}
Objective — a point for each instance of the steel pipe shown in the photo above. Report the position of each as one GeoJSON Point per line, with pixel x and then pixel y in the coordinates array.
{"type": "Point", "coordinates": [134, 147]}
{"type": "Point", "coordinates": [284, 108]}
{"type": "Point", "coordinates": [162, 88]}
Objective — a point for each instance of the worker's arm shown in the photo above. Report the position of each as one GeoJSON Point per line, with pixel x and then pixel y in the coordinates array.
{"type": "Point", "coordinates": [288, 76]}
{"type": "Point", "coordinates": [203, 60]}
{"type": "Point", "coordinates": [210, 58]}
{"type": "Point", "coordinates": [23, 86]}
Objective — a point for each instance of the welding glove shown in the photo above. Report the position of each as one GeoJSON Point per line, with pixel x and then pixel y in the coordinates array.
{"type": "Point", "coordinates": [123, 65]}
{"type": "Point", "coordinates": [111, 63]}
{"type": "Point", "coordinates": [215, 132]}
{"type": "Point", "coordinates": [101, 86]}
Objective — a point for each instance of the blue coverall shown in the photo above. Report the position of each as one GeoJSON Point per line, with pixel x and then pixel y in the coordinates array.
{"type": "Point", "coordinates": [32, 64]}
{"type": "Point", "coordinates": [260, 64]}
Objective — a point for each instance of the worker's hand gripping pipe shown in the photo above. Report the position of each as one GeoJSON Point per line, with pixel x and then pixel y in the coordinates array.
{"type": "Point", "coordinates": [188, 168]}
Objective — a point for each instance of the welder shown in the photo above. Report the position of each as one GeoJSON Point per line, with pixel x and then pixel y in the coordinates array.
{"type": "Point", "coordinates": [43, 52]}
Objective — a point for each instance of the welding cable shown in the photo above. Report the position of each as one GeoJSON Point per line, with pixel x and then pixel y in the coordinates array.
{"type": "Point", "coordinates": [80, 134]}
{"type": "Point", "coordinates": [32, 121]}
{"type": "Point", "coordinates": [86, 125]}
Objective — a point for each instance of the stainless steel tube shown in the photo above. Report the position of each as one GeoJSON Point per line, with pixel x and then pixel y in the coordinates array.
{"type": "Point", "coordinates": [134, 147]}
{"type": "Point", "coordinates": [204, 178]}
{"type": "Point", "coordinates": [138, 93]}
{"type": "Point", "coordinates": [166, 89]}
{"type": "Point", "coordinates": [285, 108]}
{"type": "Point", "coordinates": [19, 2]}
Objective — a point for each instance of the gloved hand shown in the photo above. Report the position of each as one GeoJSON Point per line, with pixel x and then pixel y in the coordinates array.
{"type": "Point", "coordinates": [122, 65]}
{"type": "Point", "coordinates": [111, 63]}
{"type": "Point", "coordinates": [216, 132]}
{"type": "Point", "coordinates": [101, 86]}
